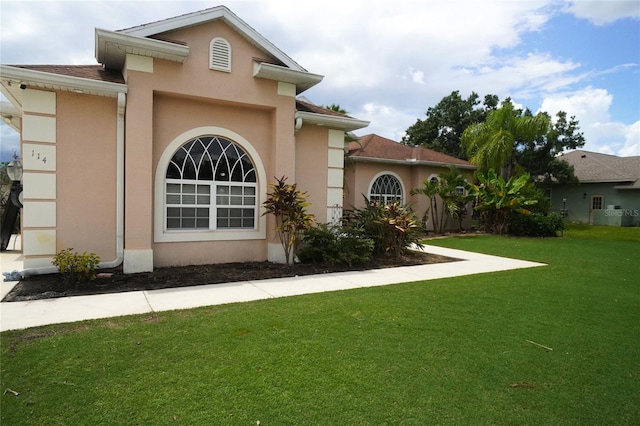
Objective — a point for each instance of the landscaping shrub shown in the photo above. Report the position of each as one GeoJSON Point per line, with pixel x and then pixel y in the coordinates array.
{"type": "Point", "coordinates": [326, 244]}
{"type": "Point", "coordinates": [392, 226]}
{"type": "Point", "coordinates": [535, 224]}
{"type": "Point", "coordinates": [74, 267]}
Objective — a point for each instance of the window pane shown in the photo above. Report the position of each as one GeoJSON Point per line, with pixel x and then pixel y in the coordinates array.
{"type": "Point", "coordinates": [236, 201]}
{"type": "Point", "coordinates": [249, 190]}
{"type": "Point", "coordinates": [188, 188]}
{"type": "Point", "coordinates": [204, 199]}
{"type": "Point", "coordinates": [188, 199]}
{"type": "Point", "coordinates": [203, 189]}
{"type": "Point", "coordinates": [250, 201]}
{"type": "Point", "coordinates": [236, 190]}
{"type": "Point", "coordinates": [188, 223]}
{"type": "Point", "coordinates": [173, 188]}
{"type": "Point", "coordinates": [173, 199]}
{"type": "Point", "coordinates": [189, 212]}
{"type": "Point", "coordinates": [173, 212]}
{"type": "Point", "coordinates": [173, 223]}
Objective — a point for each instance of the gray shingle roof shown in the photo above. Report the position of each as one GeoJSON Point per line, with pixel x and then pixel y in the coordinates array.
{"type": "Point", "coordinates": [593, 167]}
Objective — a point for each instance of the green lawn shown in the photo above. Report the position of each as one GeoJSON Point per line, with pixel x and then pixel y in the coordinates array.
{"type": "Point", "coordinates": [450, 351]}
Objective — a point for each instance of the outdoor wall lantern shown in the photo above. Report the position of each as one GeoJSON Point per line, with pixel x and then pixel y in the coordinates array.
{"type": "Point", "coordinates": [14, 169]}
{"type": "Point", "coordinates": [12, 208]}
{"type": "Point", "coordinates": [584, 195]}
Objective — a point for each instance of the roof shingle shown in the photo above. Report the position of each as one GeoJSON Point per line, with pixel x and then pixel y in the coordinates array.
{"type": "Point", "coordinates": [592, 167]}
{"type": "Point", "coordinates": [374, 146]}
{"type": "Point", "coordinates": [91, 72]}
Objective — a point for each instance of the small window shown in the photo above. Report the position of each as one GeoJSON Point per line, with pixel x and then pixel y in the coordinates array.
{"type": "Point", "coordinates": [386, 189]}
{"type": "Point", "coordinates": [220, 55]}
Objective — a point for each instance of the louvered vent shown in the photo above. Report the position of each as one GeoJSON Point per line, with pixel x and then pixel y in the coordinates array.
{"type": "Point", "coordinates": [220, 55]}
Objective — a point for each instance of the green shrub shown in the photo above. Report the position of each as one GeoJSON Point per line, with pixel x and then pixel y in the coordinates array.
{"type": "Point", "coordinates": [76, 267]}
{"type": "Point", "coordinates": [535, 224]}
{"type": "Point", "coordinates": [332, 245]}
{"type": "Point", "coordinates": [392, 226]}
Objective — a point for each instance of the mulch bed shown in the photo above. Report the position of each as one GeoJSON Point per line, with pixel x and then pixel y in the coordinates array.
{"type": "Point", "coordinates": [52, 286]}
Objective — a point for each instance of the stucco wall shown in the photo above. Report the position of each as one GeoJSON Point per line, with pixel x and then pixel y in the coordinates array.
{"type": "Point", "coordinates": [311, 168]}
{"type": "Point", "coordinates": [360, 176]}
{"type": "Point", "coordinates": [86, 174]}
{"type": "Point", "coordinates": [168, 99]}
{"type": "Point", "coordinates": [579, 199]}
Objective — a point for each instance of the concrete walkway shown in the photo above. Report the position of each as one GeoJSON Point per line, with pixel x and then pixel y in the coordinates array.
{"type": "Point", "coordinates": [19, 315]}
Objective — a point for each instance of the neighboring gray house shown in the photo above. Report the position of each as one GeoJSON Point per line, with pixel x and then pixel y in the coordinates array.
{"type": "Point", "coordinates": [608, 192]}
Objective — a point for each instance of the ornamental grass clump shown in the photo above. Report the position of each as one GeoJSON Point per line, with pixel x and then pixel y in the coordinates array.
{"type": "Point", "coordinates": [76, 268]}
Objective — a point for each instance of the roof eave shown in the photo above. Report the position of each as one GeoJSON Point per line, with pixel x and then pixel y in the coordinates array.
{"type": "Point", "coordinates": [410, 162]}
{"type": "Point", "coordinates": [10, 115]}
{"type": "Point", "coordinates": [112, 48]}
{"type": "Point", "coordinates": [303, 80]}
{"type": "Point", "coordinates": [219, 12]}
{"type": "Point", "coordinates": [45, 80]}
{"type": "Point", "coordinates": [346, 124]}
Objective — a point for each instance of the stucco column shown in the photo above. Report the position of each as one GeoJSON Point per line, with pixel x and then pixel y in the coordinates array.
{"type": "Point", "coordinates": [283, 160]}
{"type": "Point", "coordinates": [138, 235]}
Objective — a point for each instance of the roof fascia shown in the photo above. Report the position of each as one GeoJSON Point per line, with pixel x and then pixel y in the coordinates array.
{"type": "Point", "coordinates": [219, 12]}
{"type": "Point", "coordinates": [45, 80]}
{"type": "Point", "coordinates": [410, 162]}
{"type": "Point", "coordinates": [125, 43]}
{"type": "Point", "coordinates": [339, 123]}
{"type": "Point", "coordinates": [302, 79]}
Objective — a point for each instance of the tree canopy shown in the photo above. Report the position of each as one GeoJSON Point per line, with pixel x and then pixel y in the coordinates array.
{"type": "Point", "coordinates": [445, 122]}
{"type": "Point", "coordinates": [536, 153]}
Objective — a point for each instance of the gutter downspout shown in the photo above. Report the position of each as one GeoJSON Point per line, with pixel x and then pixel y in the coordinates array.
{"type": "Point", "coordinates": [122, 101]}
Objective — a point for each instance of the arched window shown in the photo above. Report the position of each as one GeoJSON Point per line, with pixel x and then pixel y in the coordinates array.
{"type": "Point", "coordinates": [386, 188]}
{"type": "Point", "coordinates": [220, 54]}
{"type": "Point", "coordinates": [210, 183]}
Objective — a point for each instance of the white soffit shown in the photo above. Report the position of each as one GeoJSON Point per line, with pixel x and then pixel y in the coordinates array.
{"type": "Point", "coordinates": [112, 48]}
{"type": "Point", "coordinates": [333, 122]}
{"type": "Point", "coordinates": [302, 79]}
{"type": "Point", "coordinates": [15, 76]}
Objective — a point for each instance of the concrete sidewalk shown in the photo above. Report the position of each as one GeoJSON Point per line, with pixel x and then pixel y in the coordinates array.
{"type": "Point", "coordinates": [18, 315]}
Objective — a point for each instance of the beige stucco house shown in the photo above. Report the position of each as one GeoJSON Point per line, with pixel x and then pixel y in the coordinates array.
{"type": "Point", "coordinates": [162, 152]}
{"type": "Point", "coordinates": [382, 169]}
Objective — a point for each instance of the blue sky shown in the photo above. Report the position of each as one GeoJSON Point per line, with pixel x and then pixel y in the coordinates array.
{"type": "Point", "coordinates": [387, 62]}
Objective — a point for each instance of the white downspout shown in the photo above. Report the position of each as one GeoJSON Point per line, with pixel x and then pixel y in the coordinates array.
{"type": "Point", "coordinates": [122, 101]}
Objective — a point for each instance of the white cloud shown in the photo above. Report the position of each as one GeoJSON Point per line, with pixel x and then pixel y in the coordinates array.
{"type": "Point", "coordinates": [591, 107]}
{"type": "Point", "coordinates": [386, 120]}
{"type": "Point", "coordinates": [605, 12]}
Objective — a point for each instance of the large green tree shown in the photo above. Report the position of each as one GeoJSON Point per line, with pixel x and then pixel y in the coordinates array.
{"type": "Point", "coordinates": [442, 129]}
{"type": "Point", "coordinates": [539, 157]}
{"type": "Point", "coordinates": [495, 143]}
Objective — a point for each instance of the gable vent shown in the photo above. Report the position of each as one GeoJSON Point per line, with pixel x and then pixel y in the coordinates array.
{"type": "Point", "coordinates": [220, 55]}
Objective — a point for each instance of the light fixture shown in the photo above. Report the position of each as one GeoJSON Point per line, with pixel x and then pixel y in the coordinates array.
{"type": "Point", "coordinates": [584, 195]}
{"type": "Point", "coordinates": [14, 169]}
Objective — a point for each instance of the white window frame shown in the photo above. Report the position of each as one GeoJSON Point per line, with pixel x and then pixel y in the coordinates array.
{"type": "Point", "coordinates": [161, 234]}
{"type": "Point", "coordinates": [383, 173]}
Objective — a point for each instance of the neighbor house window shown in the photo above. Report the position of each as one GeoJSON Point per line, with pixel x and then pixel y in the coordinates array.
{"type": "Point", "coordinates": [220, 54]}
{"type": "Point", "coordinates": [210, 184]}
{"type": "Point", "coordinates": [386, 188]}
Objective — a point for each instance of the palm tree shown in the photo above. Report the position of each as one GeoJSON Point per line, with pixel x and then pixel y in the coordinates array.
{"type": "Point", "coordinates": [493, 144]}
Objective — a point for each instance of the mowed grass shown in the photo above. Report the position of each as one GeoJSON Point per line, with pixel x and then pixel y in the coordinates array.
{"type": "Point", "coordinates": [450, 351]}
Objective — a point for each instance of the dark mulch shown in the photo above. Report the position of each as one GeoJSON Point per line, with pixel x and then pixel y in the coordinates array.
{"type": "Point", "coordinates": [52, 286]}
